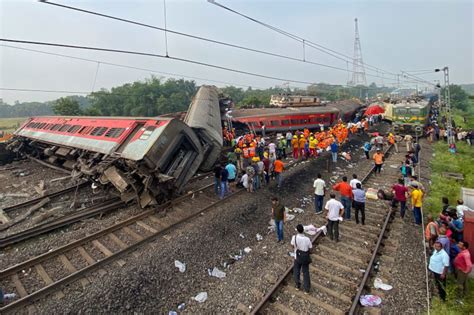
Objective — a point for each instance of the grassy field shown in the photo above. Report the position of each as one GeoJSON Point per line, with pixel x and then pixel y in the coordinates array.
{"type": "Point", "coordinates": [10, 124]}
{"type": "Point", "coordinates": [462, 162]}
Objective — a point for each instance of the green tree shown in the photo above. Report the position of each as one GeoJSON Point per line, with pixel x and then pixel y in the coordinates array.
{"type": "Point", "coordinates": [67, 107]}
{"type": "Point", "coordinates": [459, 97]}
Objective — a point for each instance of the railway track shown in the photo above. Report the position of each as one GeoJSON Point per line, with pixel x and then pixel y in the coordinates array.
{"type": "Point", "coordinates": [39, 276]}
{"type": "Point", "coordinates": [38, 199]}
{"type": "Point", "coordinates": [340, 272]}
{"type": "Point", "coordinates": [94, 210]}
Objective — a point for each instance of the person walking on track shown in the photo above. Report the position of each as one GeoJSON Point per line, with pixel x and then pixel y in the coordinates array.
{"type": "Point", "coordinates": [400, 193]}
{"type": "Point", "coordinates": [417, 203]}
{"type": "Point", "coordinates": [302, 245]}
{"type": "Point", "coordinates": [319, 186]}
{"type": "Point", "coordinates": [378, 159]}
{"type": "Point", "coordinates": [334, 213]}
{"type": "Point", "coordinates": [346, 196]}
{"type": "Point", "coordinates": [359, 203]}
{"type": "Point", "coordinates": [278, 212]}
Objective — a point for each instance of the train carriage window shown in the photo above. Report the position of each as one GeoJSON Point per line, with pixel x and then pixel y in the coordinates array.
{"type": "Point", "coordinates": [114, 132]}
{"type": "Point", "coordinates": [56, 127]}
{"type": "Point", "coordinates": [98, 131]}
{"type": "Point", "coordinates": [294, 121]}
{"type": "Point", "coordinates": [86, 130]}
{"type": "Point", "coordinates": [415, 111]}
{"type": "Point", "coordinates": [74, 129]}
{"type": "Point", "coordinates": [147, 133]}
{"type": "Point", "coordinates": [275, 123]}
{"type": "Point", "coordinates": [64, 128]}
{"type": "Point", "coordinates": [285, 122]}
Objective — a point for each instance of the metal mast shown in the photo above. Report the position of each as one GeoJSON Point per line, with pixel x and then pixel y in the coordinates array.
{"type": "Point", "coordinates": [358, 71]}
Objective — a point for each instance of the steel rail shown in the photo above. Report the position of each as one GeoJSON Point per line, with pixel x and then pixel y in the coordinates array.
{"type": "Point", "coordinates": [38, 199]}
{"type": "Point", "coordinates": [92, 211]}
{"type": "Point", "coordinates": [287, 272]}
{"type": "Point", "coordinates": [368, 271]}
{"type": "Point", "coordinates": [112, 228]}
{"type": "Point", "coordinates": [81, 273]}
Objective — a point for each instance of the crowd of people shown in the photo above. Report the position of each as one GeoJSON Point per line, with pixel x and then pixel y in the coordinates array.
{"type": "Point", "coordinates": [437, 130]}
{"type": "Point", "coordinates": [450, 252]}
{"type": "Point", "coordinates": [257, 159]}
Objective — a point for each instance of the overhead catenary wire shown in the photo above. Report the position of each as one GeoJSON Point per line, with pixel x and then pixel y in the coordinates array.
{"type": "Point", "coordinates": [203, 38]}
{"type": "Point", "coordinates": [148, 54]}
{"type": "Point", "coordinates": [103, 62]}
{"type": "Point", "coordinates": [309, 43]}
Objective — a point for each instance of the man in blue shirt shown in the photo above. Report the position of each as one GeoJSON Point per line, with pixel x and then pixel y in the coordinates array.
{"type": "Point", "coordinates": [232, 173]}
{"type": "Point", "coordinates": [367, 147]}
{"type": "Point", "coordinates": [359, 203]}
{"type": "Point", "coordinates": [439, 263]}
{"type": "Point", "coordinates": [334, 150]}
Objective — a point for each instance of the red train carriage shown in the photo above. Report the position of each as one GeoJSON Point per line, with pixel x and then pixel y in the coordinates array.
{"type": "Point", "coordinates": [144, 157]}
{"type": "Point", "coordinates": [282, 119]}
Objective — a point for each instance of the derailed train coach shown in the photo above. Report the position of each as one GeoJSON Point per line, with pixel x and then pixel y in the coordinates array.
{"type": "Point", "coordinates": [147, 159]}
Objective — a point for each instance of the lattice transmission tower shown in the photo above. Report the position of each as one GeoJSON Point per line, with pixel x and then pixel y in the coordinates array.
{"type": "Point", "coordinates": [358, 70]}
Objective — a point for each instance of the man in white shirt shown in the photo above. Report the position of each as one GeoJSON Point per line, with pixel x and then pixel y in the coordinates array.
{"type": "Point", "coordinates": [335, 210]}
{"type": "Point", "coordinates": [302, 245]}
{"type": "Point", "coordinates": [319, 189]}
{"type": "Point", "coordinates": [245, 181]}
{"type": "Point", "coordinates": [272, 151]}
{"type": "Point", "coordinates": [461, 208]}
{"type": "Point", "coordinates": [354, 181]}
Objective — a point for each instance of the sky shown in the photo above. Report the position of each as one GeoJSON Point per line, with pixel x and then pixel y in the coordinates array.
{"type": "Point", "coordinates": [395, 36]}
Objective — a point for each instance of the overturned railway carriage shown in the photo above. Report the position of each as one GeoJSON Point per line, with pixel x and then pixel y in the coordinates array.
{"type": "Point", "coordinates": [289, 118]}
{"type": "Point", "coordinates": [204, 116]}
{"type": "Point", "coordinates": [144, 158]}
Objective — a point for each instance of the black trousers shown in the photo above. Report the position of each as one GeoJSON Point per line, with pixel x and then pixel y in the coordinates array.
{"type": "Point", "coordinates": [367, 155]}
{"type": "Point", "coordinates": [378, 168]}
{"type": "Point", "coordinates": [441, 285]}
{"type": "Point", "coordinates": [359, 207]}
{"type": "Point", "coordinates": [296, 274]}
{"type": "Point", "coordinates": [333, 229]}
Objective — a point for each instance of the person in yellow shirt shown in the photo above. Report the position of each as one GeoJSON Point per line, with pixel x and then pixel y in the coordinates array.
{"type": "Point", "coordinates": [417, 203]}
{"type": "Point", "coordinates": [295, 146]}
{"type": "Point", "coordinates": [302, 142]}
{"type": "Point", "coordinates": [312, 146]}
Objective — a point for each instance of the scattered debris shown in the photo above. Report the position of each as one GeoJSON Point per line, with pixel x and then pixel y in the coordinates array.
{"type": "Point", "coordinates": [22, 217]}
{"type": "Point", "coordinates": [216, 273]}
{"type": "Point", "coordinates": [48, 214]}
{"type": "Point", "coordinates": [201, 297]}
{"type": "Point", "coordinates": [298, 210]}
{"type": "Point", "coordinates": [242, 235]}
{"type": "Point", "coordinates": [259, 237]}
{"type": "Point", "coordinates": [378, 284]}
{"type": "Point", "coordinates": [312, 230]}
{"type": "Point", "coordinates": [370, 300]}
{"type": "Point", "coordinates": [247, 250]}
{"type": "Point", "coordinates": [181, 266]}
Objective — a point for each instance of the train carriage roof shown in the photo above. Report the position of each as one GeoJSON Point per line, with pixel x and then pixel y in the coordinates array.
{"type": "Point", "coordinates": [264, 112]}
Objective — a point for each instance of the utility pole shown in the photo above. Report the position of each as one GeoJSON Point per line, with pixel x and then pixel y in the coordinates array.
{"type": "Point", "coordinates": [447, 104]}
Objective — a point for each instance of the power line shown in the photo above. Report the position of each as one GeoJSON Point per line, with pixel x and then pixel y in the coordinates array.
{"type": "Point", "coordinates": [121, 51]}
{"type": "Point", "coordinates": [128, 66]}
{"type": "Point", "coordinates": [167, 30]}
{"type": "Point", "coordinates": [300, 39]}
